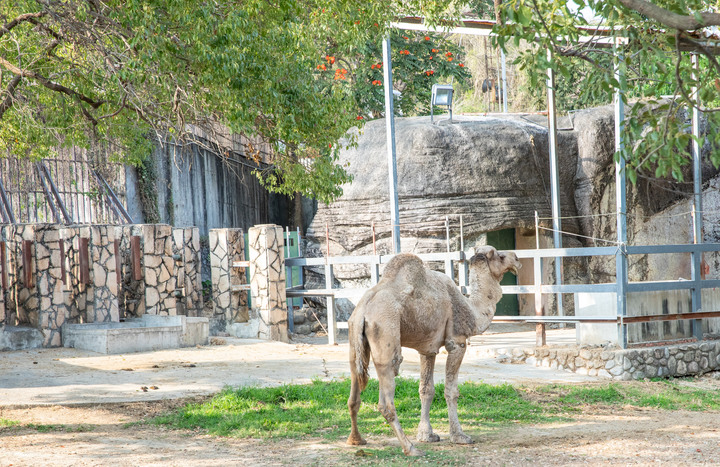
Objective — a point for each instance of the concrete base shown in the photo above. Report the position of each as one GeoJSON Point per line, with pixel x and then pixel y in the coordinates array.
{"type": "Point", "coordinates": [137, 335]}
{"type": "Point", "coordinates": [20, 337]}
{"type": "Point", "coordinates": [247, 330]}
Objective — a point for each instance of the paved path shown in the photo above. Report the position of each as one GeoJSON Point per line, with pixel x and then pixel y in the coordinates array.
{"type": "Point", "coordinates": [64, 376]}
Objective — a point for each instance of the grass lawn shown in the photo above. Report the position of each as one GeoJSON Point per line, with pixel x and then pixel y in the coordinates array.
{"type": "Point", "coordinates": [320, 409]}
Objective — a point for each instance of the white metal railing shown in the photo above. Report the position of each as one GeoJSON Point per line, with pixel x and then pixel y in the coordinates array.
{"type": "Point", "coordinates": [695, 284]}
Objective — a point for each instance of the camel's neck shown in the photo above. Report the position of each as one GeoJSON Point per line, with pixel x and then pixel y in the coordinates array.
{"type": "Point", "coordinates": [485, 292]}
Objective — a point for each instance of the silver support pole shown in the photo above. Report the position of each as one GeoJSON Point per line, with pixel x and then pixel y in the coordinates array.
{"type": "Point", "coordinates": [620, 199]}
{"type": "Point", "coordinates": [390, 135]}
{"type": "Point", "coordinates": [696, 268]}
{"type": "Point", "coordinates": [554, 177]}
{"type": "Point", "coordinates": [504, 81]}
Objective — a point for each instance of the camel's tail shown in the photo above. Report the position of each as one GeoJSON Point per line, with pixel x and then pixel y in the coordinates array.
{"type": "Point", "coordinates": [359, 351]}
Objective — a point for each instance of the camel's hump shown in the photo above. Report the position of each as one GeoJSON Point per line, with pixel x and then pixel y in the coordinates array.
{"type": "Point", "coordinates": [406, 265]}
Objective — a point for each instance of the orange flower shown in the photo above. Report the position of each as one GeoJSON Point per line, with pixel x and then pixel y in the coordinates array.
{"type": "Point", "coordinates": [449, 54]}
{"type": "Point", "coordinates": [359, 117]}
{"type": "Point", "coordinates": [406, 38]}
{"type": "Point", "coordinates": [430, 72]}
{"type": "Point", "coordinates": [427, 38]}
{"type": "Point", "coordinates": [449, 59]}
{"type": "Point", "coordinates": [321, 67]}
{"type": "Point", "coordinates": [435, 51]}
{"type": "Point", "coordinates": [377, 82]}
{"type": "Point", "coordinates": [330, 59]}
{"type": "Point", "coordinates": [461, 64]}
{"type": "Point", "coordinates": [430, 57]}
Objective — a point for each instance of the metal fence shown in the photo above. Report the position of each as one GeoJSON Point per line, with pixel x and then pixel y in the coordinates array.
{"type": "Point", "coordinates": [74, 187]}
{"type": "Point", "coordinates": [621, 286]}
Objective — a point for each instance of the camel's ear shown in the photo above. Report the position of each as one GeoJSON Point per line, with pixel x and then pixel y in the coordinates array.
{"type": "Point", "coordinates": [488, 251]}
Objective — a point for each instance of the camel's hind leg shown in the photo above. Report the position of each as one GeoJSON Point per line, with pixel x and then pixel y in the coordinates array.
{"type": "Point", "coordinates": [427, 394]}
{"type": "Point", "coordinates": [358, 381]}
{"type": "Point", "coordinates": [387, 356]}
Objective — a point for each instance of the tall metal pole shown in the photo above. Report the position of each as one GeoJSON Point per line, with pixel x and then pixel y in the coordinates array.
{"type": "Point", "coordinates": [390, 135]}
{"type": "Point", "coordinates": [504, 81]}
{"type": "Point", "coordinates": [620, 198]}
{"type": "Point", "coordinates": [696, 267]}
{"type": "Point", "coordinates": [554, 177]}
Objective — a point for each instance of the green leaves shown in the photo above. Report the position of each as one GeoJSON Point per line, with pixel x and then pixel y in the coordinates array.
{"type": "Point", "coordinates": [659, 74]}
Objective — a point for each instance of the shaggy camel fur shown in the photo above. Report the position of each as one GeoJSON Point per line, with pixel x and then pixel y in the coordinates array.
{"type": "Point", "coordinates": [415, 307]}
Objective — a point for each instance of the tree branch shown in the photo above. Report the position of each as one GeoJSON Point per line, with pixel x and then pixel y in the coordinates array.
{"type": "Point", "coordinates": [10, 91]}
{"type": "Point", "coordinates": [671, 19]}
{"type": "Point", "coordinates": [49, 84]}
{"type": "Point", "coordinates": [26, 17]}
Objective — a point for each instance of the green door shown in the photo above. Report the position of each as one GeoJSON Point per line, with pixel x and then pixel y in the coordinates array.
{"type": "Point", "coordinates": [505, 240]}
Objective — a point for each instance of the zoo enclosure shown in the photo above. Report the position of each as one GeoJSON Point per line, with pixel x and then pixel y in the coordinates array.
{"type": "Point", "coordinates": [621, 287]}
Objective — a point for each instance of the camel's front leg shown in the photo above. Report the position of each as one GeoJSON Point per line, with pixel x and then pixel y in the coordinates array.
{"type": "Point", "coordinates": [456, 352]}
{"type": "Point", "coordinates": [427, 394]}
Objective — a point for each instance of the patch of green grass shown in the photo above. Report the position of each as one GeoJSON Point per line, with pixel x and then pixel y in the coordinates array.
{"type": "Point", "coordinates": [392, 456]}
{"type": "Point", "coordinates": [659, 394]}
{"type": "Point", "coordinates": [5, 423]}
{"type": "Point", "coordinates": [49, 428]}
{"type": "Point", "coordinates": [320, 409]}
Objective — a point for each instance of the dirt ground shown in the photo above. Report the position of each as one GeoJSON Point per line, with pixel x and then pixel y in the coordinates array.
{"type": "Point", "coordinates": [100, 435]}
{"type": "Point", "coordinates": [97, 432]}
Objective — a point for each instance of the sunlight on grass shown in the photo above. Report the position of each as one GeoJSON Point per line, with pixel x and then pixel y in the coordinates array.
{"type": "Point", "coordinates": [320, 409]}
{"type": "Point", "coordinates": [5, 423]}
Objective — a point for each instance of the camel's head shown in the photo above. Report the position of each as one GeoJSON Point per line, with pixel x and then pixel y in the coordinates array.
{"type": "Point", "coordinates": [498, 262]}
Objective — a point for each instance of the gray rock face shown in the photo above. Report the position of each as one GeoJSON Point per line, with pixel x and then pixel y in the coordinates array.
{"type": "Point", "coordinates": [492, 171]}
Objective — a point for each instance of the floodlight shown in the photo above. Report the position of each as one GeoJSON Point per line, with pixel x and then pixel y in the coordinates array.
{"type": "Point", "coordinates": [442, 94]}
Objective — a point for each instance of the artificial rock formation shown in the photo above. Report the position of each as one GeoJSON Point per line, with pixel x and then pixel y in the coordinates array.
{"type": "Point", "coordinates": [495, 172]}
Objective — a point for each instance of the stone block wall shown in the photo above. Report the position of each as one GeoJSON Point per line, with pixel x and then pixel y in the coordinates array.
{"type": "Point", "coordinates": [154, 292]}
{"type": "Point", "coordinates": [39, 303]}
{"type": "Point", "coordinates": [94, 298]}
{"type": "Point", "coordinates": [63, 288]}
{"type": "Point", "coordinates": [687, 359]}
{"type": "Point", "coordinates": [267, 272]}
{"type": "Point", "coordinates": [227, 246]}
{"type": "Point", "coordinates": [103, 276]}
{"type": "Point", "coordinates": [186, 247]}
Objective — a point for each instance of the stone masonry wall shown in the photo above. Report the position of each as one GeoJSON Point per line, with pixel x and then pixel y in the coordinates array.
{"type": "Point", "coordinates": [186, 250]}
{"type": "Point", "coordinates": [103, 276]}
{"type": "Point", "coordinates": [267, 273]}
{"type": "Point", "coordinates": [685, 359]}
{"type": "Point", "coordinates": [226, 247]}
{"type": "Point", "coordinates": [154, 292]}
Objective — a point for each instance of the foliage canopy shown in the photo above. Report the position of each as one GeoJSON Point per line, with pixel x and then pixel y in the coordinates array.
{"type": "Point", "coordinates": [656, 40]}
{"type": "Point", "coordinates": [295, 73]}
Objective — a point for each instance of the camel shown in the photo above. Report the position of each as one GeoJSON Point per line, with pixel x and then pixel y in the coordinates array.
{"type": "Point", "coordinates": [424, 310]}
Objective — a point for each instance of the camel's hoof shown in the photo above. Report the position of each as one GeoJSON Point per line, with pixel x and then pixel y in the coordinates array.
{"type": "Point", "coordinates": [461, 438]}
{"type": "Point", "coordinates": [356, 441]}
{"type": "Point", "coordinates": [428, 437]}
{"type": "Point", "coordinates": [415, 452]}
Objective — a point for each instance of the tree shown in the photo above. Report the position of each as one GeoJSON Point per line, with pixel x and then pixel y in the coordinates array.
{"type": "Point", "coordinates": [128, 74]}
{"type": "Point", "coordinates": [657, 39]}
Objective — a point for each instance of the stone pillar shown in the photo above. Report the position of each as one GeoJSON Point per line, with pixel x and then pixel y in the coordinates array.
{"type": "Point", "coordinates": [49, 288]}
{"type": "Point", "coordinates": [227, 246]}
{"type": "Point", "coordinates": [103, 278]}
{"type": "Point", "coordinates": [267, 273]}
{"type": "Point", "coordinates": [9, 309]}
{"type": "Point", "coordinates": [153, 291]}
{"type": "Point", "coordinates": [37, 298]}
{"type": "Point", "coordinates": [75, 297]}
{"type": "Point", "coordinates": [189, 270]}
